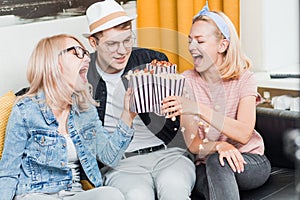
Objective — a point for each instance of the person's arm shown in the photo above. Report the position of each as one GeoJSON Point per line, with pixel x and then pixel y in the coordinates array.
{"type": "Point", "coordinates": [127, 116]}
{"type": "Point", "coordinates": [192, 139]}
{"type": "Point", "coordinates": [202, 148]}
{"type": "Point", "coordinates": [111, 147]}
{"type": "Point", "coordinates": [14, 146]}
{"type": "Point", "coordinates": [239, 129]}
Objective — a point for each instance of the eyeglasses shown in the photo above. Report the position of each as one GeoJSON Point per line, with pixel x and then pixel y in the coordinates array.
{"type": "Point", "coordinates": [78, 51]}
{"type": "Point", "coordinates": [113, 46]}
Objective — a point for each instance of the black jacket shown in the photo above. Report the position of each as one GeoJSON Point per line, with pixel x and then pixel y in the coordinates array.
{"type": "Point", "coordinates": [138, 58]}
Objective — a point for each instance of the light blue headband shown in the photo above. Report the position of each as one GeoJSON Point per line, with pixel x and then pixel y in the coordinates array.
{"type": "Point", "coordinates": [217, 19]}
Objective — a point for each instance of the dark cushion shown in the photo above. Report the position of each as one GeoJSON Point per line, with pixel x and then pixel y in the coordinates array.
{"type": "Point", "coordinates": [280, 186]}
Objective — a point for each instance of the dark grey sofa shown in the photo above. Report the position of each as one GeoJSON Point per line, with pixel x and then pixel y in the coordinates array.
{"type": "Point", "coordinates": [278, 128]}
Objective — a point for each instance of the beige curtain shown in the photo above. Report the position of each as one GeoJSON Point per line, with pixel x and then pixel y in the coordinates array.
{"type": "Point", "coordinates": [164, 25]}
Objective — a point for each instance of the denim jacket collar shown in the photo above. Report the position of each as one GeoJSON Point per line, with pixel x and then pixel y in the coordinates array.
{"type": "Point", "coordinates": [74, 107]}
{"type": "Point", "coordinates": [46, 110]}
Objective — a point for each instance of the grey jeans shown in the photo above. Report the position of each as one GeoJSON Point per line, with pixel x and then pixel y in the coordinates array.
{"type": "Point", "coordinates": [100, 193]}
{"type": "Point", "coordinates": [215, 182]}
{"type": "Point", "coordinates": [165, 174]}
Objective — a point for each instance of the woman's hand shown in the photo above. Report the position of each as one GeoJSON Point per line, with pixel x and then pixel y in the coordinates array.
{"type": "Point", "coordinates": [127, 116]}
{"type": "Point", "coordinates": [176, 105]}
{"type": "Point", "coordinates": [232, 155]}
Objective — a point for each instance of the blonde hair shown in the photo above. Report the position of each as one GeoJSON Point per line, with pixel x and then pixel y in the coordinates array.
{"type": "Point", "coordinates": [234, 59]}
{"type": "Point", "coordinates": [43, 73]}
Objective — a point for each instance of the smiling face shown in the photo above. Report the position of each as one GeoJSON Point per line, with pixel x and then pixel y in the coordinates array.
{"type": "Point", "coordinates": [74, 64]}
{"type": "Point", "coordinates": [114, 47]}
{"type": "Point", "coordinates": [205, 48]}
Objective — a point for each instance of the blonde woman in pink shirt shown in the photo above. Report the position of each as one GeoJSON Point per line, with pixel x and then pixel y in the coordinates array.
{"type": "Point", "coordinates": [218, 111]}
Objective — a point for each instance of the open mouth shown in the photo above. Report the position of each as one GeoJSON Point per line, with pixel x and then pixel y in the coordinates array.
{"type": "Point", "coordinates": [120, 59]}
{"type": "Point", "coordinates": [197, 59]}
{"type": "Point", "coordinates": [83, 74]}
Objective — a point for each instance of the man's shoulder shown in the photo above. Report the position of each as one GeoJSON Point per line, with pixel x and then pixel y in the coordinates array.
{"type": "Point", "coordinates": [148, 53]}
{"type": "Point", "coordinates": [143, 50]}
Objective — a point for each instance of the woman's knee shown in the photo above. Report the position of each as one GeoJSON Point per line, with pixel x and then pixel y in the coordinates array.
{"type": "Point", "coordinates": [215, 169]}
{"type": "Point", "coordinates": [143, 192]}
{"type": "Point", "coordinates": [257, 172]}
{"type": "Point", "coordinates": [213, 160]}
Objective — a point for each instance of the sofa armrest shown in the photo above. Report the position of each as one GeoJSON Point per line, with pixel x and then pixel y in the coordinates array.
{"type": "Point", "coordinates": [273, 125]}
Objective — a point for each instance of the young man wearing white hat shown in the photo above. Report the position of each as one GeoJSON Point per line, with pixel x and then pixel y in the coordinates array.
{"type": "Point", "coordinates": [149, 169]}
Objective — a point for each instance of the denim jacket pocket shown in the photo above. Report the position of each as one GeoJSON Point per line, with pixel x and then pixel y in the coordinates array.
{"type": "Point", "coordinates": [43, 146]}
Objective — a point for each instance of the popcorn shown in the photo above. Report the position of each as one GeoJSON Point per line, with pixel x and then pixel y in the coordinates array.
{"type": "Point", "coordinates": [196, 118]}
{"type": "Point", "coordinates": [152, 84]}
{"type": "Point", "coordinates": [161, 67]}
{"type": "Point", "coordinates": [182, 129]}
{"type": "Point", "coordinates": [205, 140]}
{"type": "Point", "coordinates": [201, 123]}
{"type": "Point", "coordinates": [206, 129]}
{"type": "Point", "coordinates": [201, 147]}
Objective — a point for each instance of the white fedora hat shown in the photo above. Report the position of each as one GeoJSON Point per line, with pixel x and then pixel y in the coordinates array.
{"type": "Point", "coordinates": [104, 15]}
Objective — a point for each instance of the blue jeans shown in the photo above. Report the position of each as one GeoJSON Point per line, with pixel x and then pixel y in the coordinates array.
{"type": "Point", "coordinates": [216, 182]}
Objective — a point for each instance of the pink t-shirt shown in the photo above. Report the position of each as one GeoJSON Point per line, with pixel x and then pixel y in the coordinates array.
{"type": "Point", "coordinates": [224, 97]}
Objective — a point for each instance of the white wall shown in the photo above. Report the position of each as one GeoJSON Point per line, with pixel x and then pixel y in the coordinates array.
{"type": "Point", "coordinates": [18, 41]}
{"type": "Point", "coordinates": [270, 34]}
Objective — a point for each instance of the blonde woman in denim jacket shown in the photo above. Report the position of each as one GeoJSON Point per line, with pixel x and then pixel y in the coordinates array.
{"type": "Point", "coordinates": [54, 129]}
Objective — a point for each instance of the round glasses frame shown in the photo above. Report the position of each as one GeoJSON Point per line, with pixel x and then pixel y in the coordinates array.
{"type": "Point", "coordinates": [79, 52]}
{"type": "Point", "coordinates": [113, 46]}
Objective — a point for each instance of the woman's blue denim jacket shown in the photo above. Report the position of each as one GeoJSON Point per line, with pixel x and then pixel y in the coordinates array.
{"type": "Point", "coordinates": [35, 154]}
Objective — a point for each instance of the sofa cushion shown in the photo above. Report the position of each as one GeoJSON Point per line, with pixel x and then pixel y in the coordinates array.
{"type": "Point", "coordinates": [280, 185]}
{"type": "Point", "coordinates": [6, 104]}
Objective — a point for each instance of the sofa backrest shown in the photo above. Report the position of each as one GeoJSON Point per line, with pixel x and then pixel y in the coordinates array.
{"type": "Point", "coordinates": [274, 125]}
